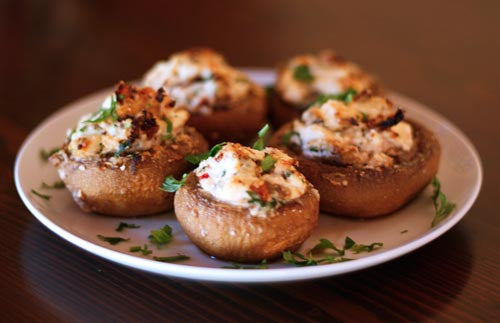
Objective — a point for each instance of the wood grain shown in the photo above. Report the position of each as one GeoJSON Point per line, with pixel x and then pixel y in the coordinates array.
{"type": "Point", "coordinates": [443, 53]}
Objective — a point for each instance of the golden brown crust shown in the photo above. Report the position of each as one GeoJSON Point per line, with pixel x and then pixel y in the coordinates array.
{"type": "Point", "coordinates": [134, 188]}
{"type": "Point", "coordinates": [239, 122]}
{"type": "Point", "coordinates": [366, 193]}
{"type": "Point", "coordinates": [230, 232]}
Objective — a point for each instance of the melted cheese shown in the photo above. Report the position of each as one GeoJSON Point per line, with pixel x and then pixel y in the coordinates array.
{"type": "Point", "coordinates": [109, 136]}
{"type": "Point", "coordinates": [330, 75]}
{"type": "Point", "coordinates": [199, 80]}
{"type": "Point", "coordinates": [236, 170]}
{"type": "Point", "coordinates": [348, 133]}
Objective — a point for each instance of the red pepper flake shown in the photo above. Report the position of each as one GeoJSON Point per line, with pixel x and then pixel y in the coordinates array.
{"type": "Point", "coordinates": [203, 176]}
{"type": "Point", "coordinates": [219, 157]}
{"type": "Point", "coordinates": [262, 191]}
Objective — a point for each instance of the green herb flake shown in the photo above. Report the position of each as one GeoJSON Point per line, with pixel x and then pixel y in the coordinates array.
{"type": "Point", "coordinates": [288, 136]}
{"type": "Point", "coordinates": [270, 90]}
{"type": "Point", "coordinates": [300, 260]}
{"type": "Point", "coordinates": [303, 73]}
{"type": "Point", "coordinates": [234, 265]}
{"type": "Point", "coordinates": [43, 196]}
{"type": "Point", "coordinates": [44, 155]}
{"type": "Point", "coordinates": [161, 236]}
{"type": "Point", "coordinates": [56, 185]}
{"type": "Point", "coordinates": [124, 225]}
{"type": "Point", "coordinates": [347, 96]}
{"type": "Point", "coordinates": [326, 244]}
{"type": "Point", "coordinates": [359, 248]}
{"type": "Point", "coordinates": [259, 144]}
{"type": "Point", "coordinates": [172, 258]}
{"type": "Point", "coordinates": [122, 147]}
{"type": "Point", "coordinates": [267, 163]}
{"type": "Point", "coordinates": [198, 158]}
{"type": "Point", "coordinates": [170, 184]}
{"type": "Point", "coordinates": [144, 250]}
{"type": "Point", "coordinates": [168, 135]}
{"type": "Point", "coordinates": [441, 205]}
{"type": "Point", "coordinates": [112, 240]}
{"type": "Point", "coordinates": [105, 112]}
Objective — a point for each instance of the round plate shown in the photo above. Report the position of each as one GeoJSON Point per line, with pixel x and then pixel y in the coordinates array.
{"type": "Point", "coordinates": [460, 174]}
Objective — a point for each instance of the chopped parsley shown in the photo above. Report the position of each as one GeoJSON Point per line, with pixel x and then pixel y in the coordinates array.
{"type": "Point", "coordinates": [198, 158]}
{"type": "Point", "coordinates": [105, 112]}
{"type": "Point", "coordinates": [288, 136]}
{"type": "Point", "coordinates": [170, 184]}
{"type": "Point", "coordinates": [303, 73]}
{"type": "Point", "coordinates": [234, 265]}
{"type": "Point", "coordinates": [299, 259]}
{"type": "Point", "coordinates": [168, 135]}
{"type": "Point", "coordinates": [112, 240]}
{"type": "Point", "coordinates": [171, 258]}
{"type": "Point", "coordinates": [267, 163]}
{"type": "Point", "coordinates": [161, 236]}
{"type": "Point", "coordinates": [144, 250]}
{"type": "Point", "coordinates": [259, 144]}
{"type": "Point", "coordinates": [124, 225]}
{"type": "Point", "coordinates": [45, 197]}
{"type": "Point", "coordinates": [121, 148]}
{"type": "Point", "coordinates": [255, 198]}
{"type": "Point", "coordinates": [441, 205]}
{"type": "Point", "coordinates": [44, 155]}
{"type": "Point", "coordinates": [57, 185]}
{"type": "Point", "coordinates": [270, 90]}
{"type": "Point", "coordinates": [345, 96]}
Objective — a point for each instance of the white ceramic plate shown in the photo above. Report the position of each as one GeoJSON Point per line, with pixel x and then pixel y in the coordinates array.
{"type": "Point", "coordinates": [460, 174]}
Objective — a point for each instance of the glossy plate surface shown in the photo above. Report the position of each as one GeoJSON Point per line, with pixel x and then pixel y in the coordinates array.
{"type": "Point", "coordinates": [460, 173]}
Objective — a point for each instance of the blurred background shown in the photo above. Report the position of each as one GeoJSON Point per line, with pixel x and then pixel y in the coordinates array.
{"type": "Point", "coordinates": [444, 54]}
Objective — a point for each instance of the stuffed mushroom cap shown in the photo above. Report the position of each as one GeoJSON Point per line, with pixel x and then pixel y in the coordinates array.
{"type": "Point", "coordinates": [247, 205]}
{"type": "Point", "coordinates": [224, 103]}
{"type": "Point", "coordinates": [115, 159]}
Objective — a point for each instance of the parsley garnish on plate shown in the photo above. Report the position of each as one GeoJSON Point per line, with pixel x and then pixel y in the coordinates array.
{"type": "Point", "coordinates": [303, 73]}
{"type": "Point", "coordinates": [44, 155]}
{"type": "Point", "coordinates": [124, 225]}
{"type": "Point", "coordinates": [259, 144]}
{"type": "Point", "coordinates": [56, 185]}
{"type": "Point", "coordinates": [234, 265]}
{"type": "Point", "coordinates": [112, 240]}
{"type": "Point", "coordinates": [144, 250]}
{"type": "Point", "coordinates": [161, 236]}
{"type": "Point", "coordinates": [170, 184]}
{"type": "Point", "coordinates": [441, 205]}
{"type": "Point", "coordinates": [301, 260]}
{"type": "Point", "coordinates": [45, 197]}
{"type": "Point", "coordinates": [172, 258]}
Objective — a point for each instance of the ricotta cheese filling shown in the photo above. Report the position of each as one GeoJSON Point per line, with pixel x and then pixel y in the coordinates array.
{"type": "Point", "coordinates": [247, 177]}
{"type": "Point", "coordinates": [129, 120]}
{"type": "Point", "coordinates": [305, 77]}
{"type": "Point", "coordinates": [199, 80]}
{"type": "Point", "coordinates": [367, 132]}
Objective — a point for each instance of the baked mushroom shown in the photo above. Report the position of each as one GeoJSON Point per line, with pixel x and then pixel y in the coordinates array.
{"type": "Point", "coordinates": [304, 78]}
{"type": "Point", "coordinates": [225, 105]}
{"type": "Point", "coordinates": [246, 205]}
{"type": "Point", "coordinates": [362, 157]}
{"type": "Point", "coordinates": [114, 161]}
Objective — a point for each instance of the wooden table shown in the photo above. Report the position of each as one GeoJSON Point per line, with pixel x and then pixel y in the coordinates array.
{"type": "Point", "coordinates": [444, 54]}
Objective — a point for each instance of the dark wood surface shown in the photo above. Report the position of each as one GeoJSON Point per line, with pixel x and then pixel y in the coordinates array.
{"type": "Point", "coordinates": [443, 53]}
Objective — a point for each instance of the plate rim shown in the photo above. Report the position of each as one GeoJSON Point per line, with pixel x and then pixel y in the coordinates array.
{"type": "Point", "coordinates": [252, 275]}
